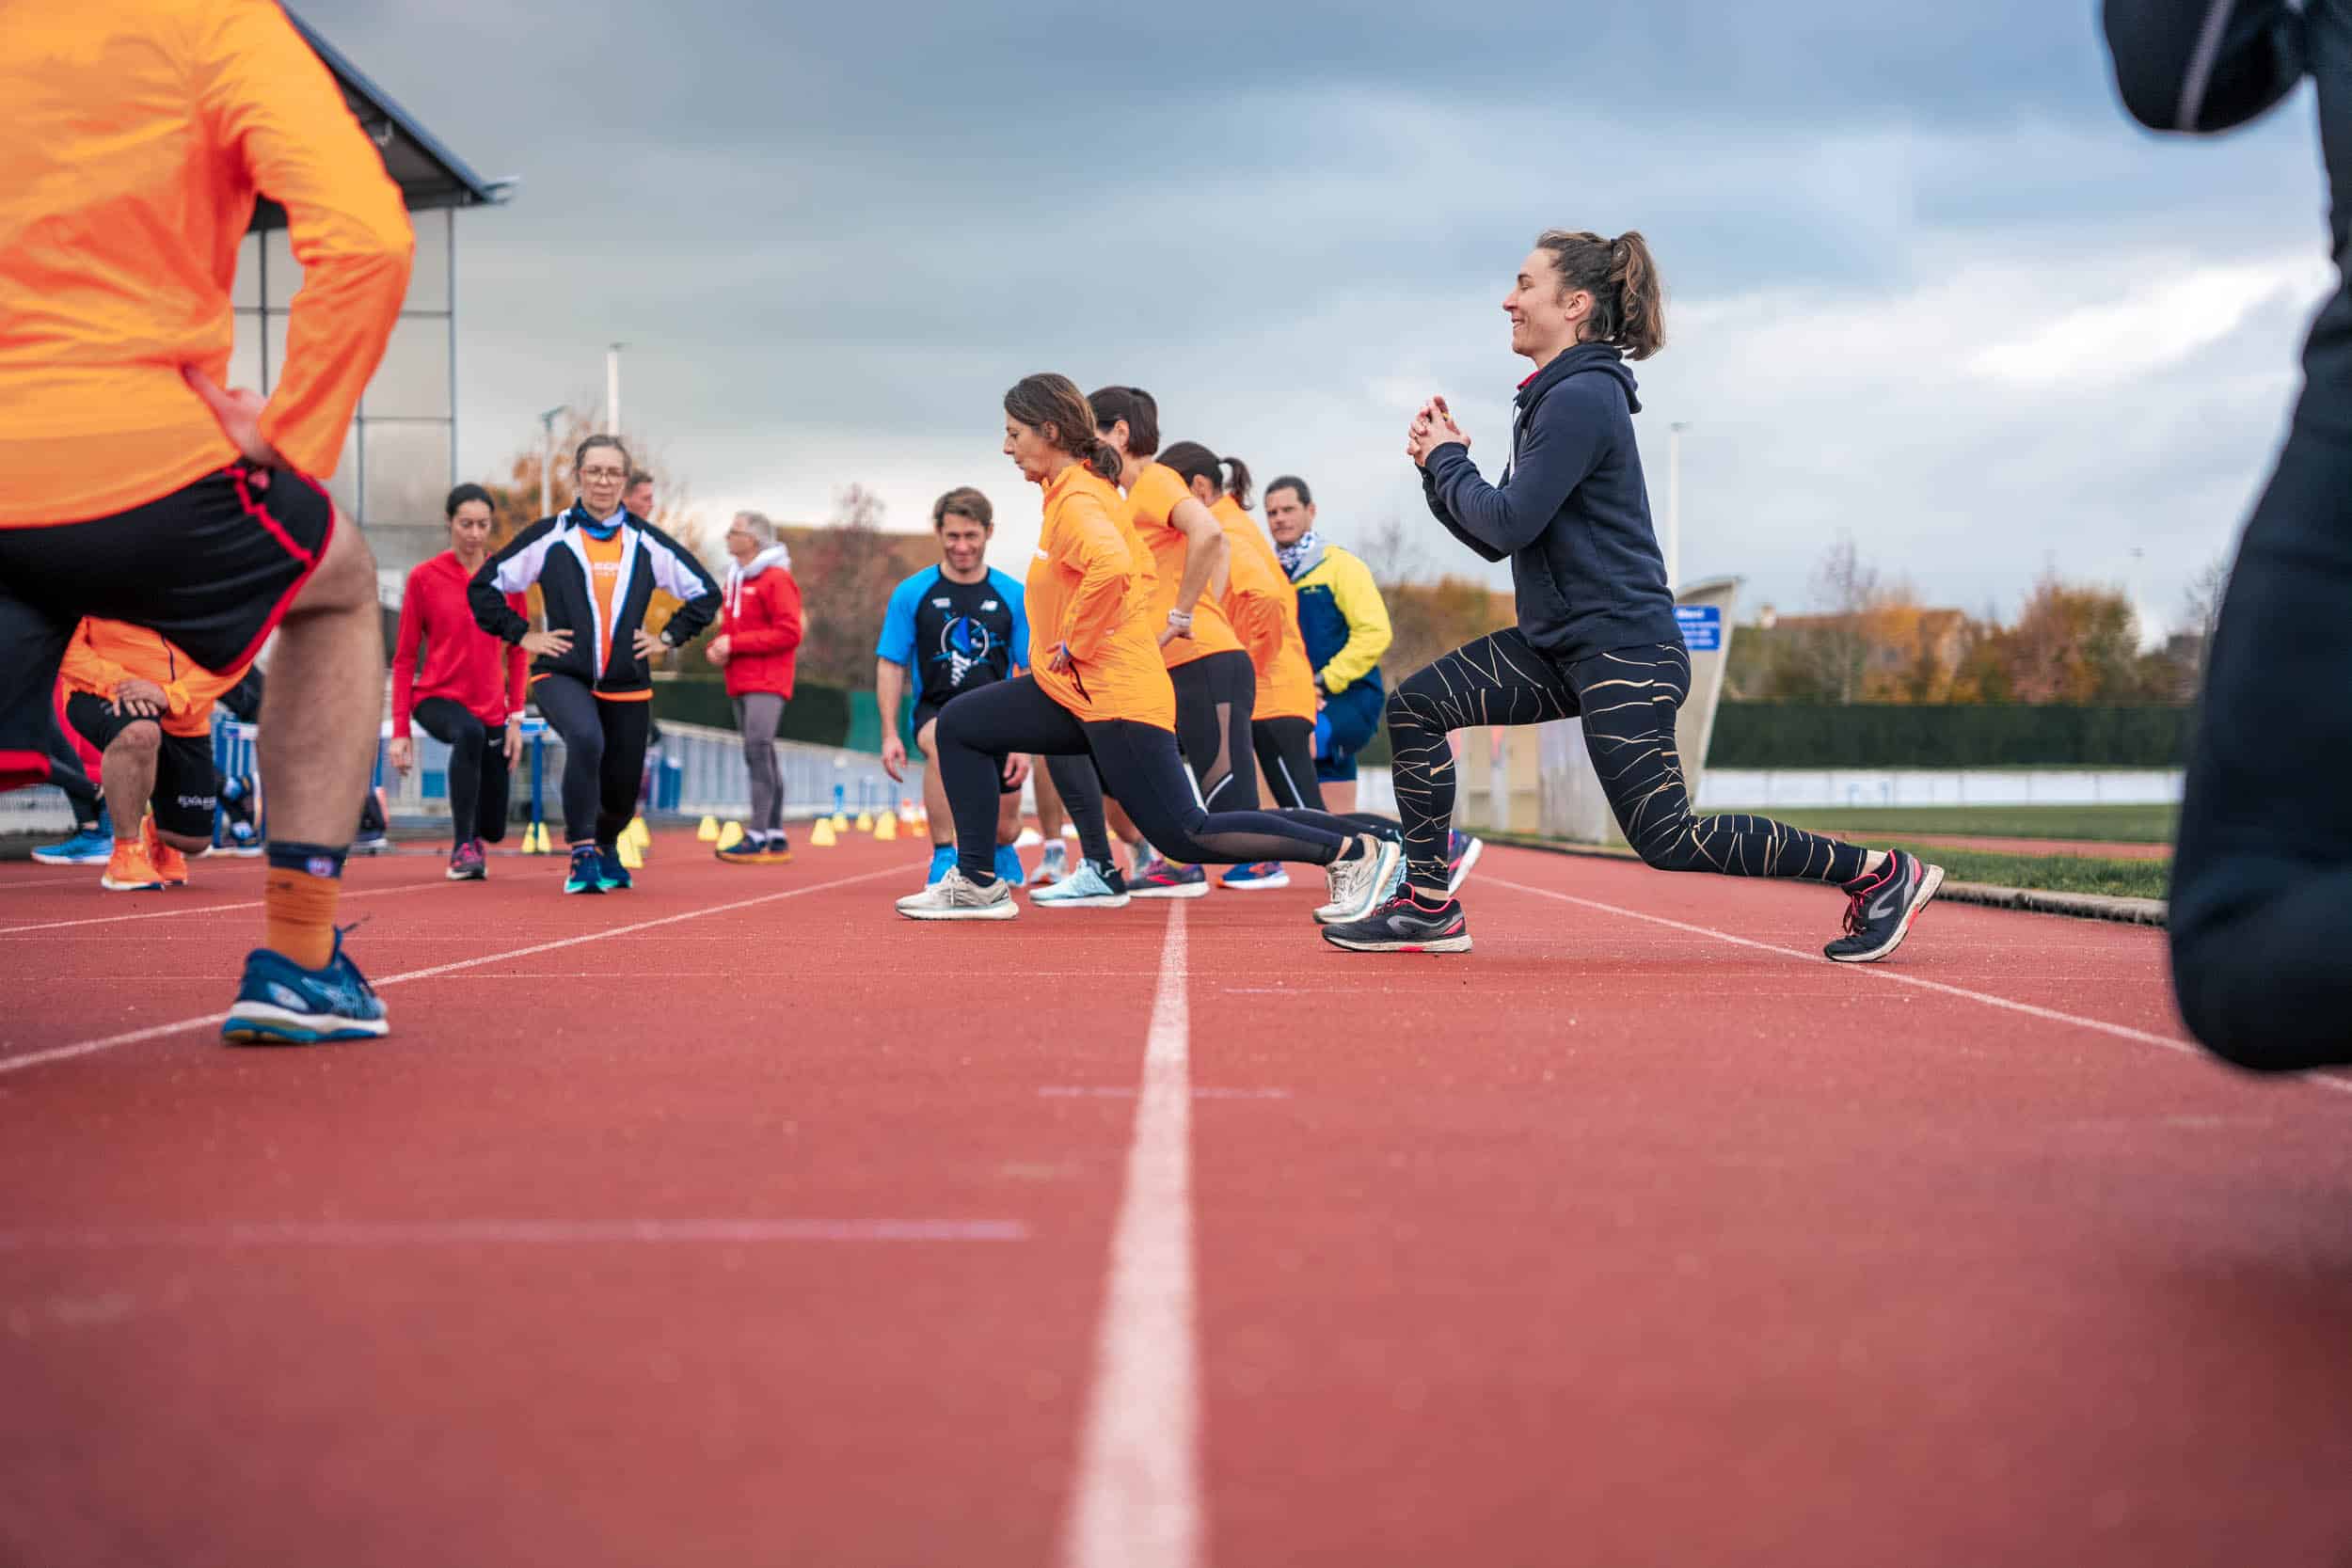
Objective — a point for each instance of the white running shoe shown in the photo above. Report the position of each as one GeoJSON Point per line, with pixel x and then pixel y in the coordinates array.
{"type": "Point", "coordinates": [1088, 887]}
{"type": "Point", "coordinates": [1357, 886]}
{"type": "Point", "coordinates": [1462, 852]}
{"type": "Point", "coordinates": [1052, 866]}
{"type": "Point", "coordinates": [1029, 838]}
{"type": "Point", "coordinates": [954, 897]}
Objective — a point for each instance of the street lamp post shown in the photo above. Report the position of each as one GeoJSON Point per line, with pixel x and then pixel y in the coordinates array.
{"type": "Point", "coordinates": [613, 387]}
{"type": "Point", "coordinates": [546, 460]}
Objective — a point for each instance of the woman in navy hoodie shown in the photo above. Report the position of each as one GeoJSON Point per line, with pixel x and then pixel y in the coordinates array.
{"type": "Point", "coordinates": [1595, 636]}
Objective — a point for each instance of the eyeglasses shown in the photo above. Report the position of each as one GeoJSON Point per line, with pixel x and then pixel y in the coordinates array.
{"type": "Point", "coordinates": [604, 473]}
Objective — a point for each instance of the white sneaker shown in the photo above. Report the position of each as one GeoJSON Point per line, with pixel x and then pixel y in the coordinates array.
{"type": "Point", "coordinates": [1087, 887]}
{"type": "Point", "coordinates": [954, 897]}
{"type": "Point", "coordinates": [1029, 838]}
{"type": "Point", "coordinates": [1358, 885]}
{"type": "Point", "coordinates": [1052, 866]}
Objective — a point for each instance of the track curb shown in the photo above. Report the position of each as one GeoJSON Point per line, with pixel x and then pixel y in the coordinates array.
{"type": "Point", "coordinates": [2078, 906]}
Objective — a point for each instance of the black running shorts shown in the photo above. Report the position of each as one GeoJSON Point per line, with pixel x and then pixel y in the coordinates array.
{"type": "Point", "coordinates": [185, 782]}
{"type": "Point", "coordinates": [212, 567]}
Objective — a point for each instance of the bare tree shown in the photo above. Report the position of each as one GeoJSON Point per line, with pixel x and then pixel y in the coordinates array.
{"type": "Point", "coordinates": [1393, 552]}
{"type": "Point", "coordinates": [1844, 589]}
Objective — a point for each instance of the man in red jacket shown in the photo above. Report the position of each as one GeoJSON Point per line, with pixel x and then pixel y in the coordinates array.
{"type": "Point", "coordinates": [759, 637]}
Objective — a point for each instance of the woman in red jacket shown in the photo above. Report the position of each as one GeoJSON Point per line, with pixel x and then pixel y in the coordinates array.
{"type": "Point", "coordinates": [471, 694]}
{"type": "Point", "coordinates": [759, 635]}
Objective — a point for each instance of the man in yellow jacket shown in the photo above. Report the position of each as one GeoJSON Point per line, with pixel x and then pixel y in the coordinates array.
{"type": "Point", "coordinates": [141, 136]}
{"type": "Point", "coordinates": [147, 708]}
{"type": "Point", "coordinates": [1346, 624]}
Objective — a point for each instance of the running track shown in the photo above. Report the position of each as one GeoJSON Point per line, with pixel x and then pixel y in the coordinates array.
{"type": "Point", "coordinates": [796, 1233]}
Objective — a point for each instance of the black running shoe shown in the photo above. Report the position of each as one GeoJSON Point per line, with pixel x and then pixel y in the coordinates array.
{"type": "Point", "coordinates": [1879, 908]}
{"type": "Point", "coordinates": [1405, 925]}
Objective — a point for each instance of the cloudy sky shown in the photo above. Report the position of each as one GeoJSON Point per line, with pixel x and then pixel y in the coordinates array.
{"type": "Point", "coordinates": [1926, 284]}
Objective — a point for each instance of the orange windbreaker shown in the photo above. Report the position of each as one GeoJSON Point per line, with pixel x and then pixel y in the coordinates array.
{"type": "Point", "coordinates": [137, 135]}
{"type": "Point", "coordinates": [1090, 590]}
{"type": "Point", "coordinates": [1158, 491]}
{"type": "Point", "coordinates": [1263, 608]}
{"type": "Point", "coordinates": [104, 653]}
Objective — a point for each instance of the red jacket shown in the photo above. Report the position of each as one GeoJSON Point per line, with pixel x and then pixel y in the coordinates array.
{"type": "Point", "coordinates": [462, 662]}
{"type": "Point", "coordinates": [762, 624]}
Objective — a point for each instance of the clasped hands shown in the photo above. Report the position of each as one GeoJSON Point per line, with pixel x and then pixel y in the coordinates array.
{"type": "Point", "coordinates": [1432, 428]}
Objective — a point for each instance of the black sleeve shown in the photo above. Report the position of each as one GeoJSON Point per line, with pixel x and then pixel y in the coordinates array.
{"type": "Point", "coordinates": [676, 568]}
{"type": "Point", "coordinates": [2203, 65]}
{"type": "Point", "coordinates": [512, 570]}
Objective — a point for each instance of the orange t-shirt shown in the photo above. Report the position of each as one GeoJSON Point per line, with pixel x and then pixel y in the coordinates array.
{"type": "Point", "coordinates": [1262, 605]}
{"type": "Point", "coordinates": [604, 574]}
{"type": "Point", "coordinates": [1090, 589]}
{"type": "Point", "coordinates": [1158, 491]}
{"type": "Point", "coordinates": [138, 135]}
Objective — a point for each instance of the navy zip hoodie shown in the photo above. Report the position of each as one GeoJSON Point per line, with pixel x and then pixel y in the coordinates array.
{"type": "Point", "coordinates": [1571, 513]}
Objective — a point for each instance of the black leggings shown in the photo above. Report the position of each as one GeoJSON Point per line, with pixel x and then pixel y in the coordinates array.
{"type": "Point", "coordinates": [2260, 911]}
{"type": "Point", "coordinates": [1214, 699]}
{"type": "Point", "coordinates": [1138, 763]}
{"type": "Point", "coordinates": [1286, 756]}
{"type": "Point", "coordinates": [604, 752]}
{"type": "Point", "coordinates": [477, 767]}
{"type": "Point", "coordinates": [1627, 698]}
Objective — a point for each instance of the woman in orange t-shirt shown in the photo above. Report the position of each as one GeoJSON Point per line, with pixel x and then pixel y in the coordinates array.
{"type": "Point", "coordinates": [1097, 686]}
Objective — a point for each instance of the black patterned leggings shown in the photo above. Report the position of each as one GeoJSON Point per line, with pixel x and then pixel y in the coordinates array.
{"type": "Point", "coordinates": [1627, 698]}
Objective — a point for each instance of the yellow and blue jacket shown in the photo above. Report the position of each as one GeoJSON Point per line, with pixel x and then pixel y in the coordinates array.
{"type": "Point", "coordinates": [1343, 619]}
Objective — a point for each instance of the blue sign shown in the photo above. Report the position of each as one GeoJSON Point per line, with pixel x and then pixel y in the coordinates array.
{"type": "Point", "coordinates": [1702, 627]}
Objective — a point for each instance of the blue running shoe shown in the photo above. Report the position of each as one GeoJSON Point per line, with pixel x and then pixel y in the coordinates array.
{"type": "Point", "coordinates": [943, 861]}
{"type": "Point", "coordinates": [280, 1002]}
{"type": "Point", "coordinates": [1263, 874]}
{"type": "Point", "coordinates": [610, 873]}
{"type": "Point", "coordinates": [587, 872]}
{"type": "Point", "coordinates": [88, 847]}
{"type": "Point", "coordinates": [1008, 864]}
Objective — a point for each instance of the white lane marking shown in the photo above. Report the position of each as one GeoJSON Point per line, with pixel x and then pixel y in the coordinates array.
{"type": "Point", "coordinates": [133, 1036]}
{"type": "Point", "coordinates": [1137, 1503]}
{"type": "Point", "coordinates": [1121, 1091]}
{"type": "Point", "coordinates": [363, 1234]}
{"type": "Point", "coordinates": [1896, 976]}
{"type": "Point", "coordinates": [210, 909]}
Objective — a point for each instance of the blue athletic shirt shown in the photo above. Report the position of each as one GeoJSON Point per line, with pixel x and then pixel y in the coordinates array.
{"type": "Point", "coordinates": [953, 637]}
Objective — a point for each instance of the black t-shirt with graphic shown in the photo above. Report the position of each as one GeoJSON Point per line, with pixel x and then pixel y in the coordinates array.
{"type": "Point", "coordinates": [953, 637]}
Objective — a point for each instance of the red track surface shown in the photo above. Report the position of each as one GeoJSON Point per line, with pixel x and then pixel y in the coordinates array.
{"type": "Point", "coordinates": [783, 1234]}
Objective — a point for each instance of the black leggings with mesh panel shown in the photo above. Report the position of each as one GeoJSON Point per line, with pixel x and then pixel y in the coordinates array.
{"type": "Point", "coordinates": [1138, 763]}
{"type": "Point", "coordinates": [1627, 698]}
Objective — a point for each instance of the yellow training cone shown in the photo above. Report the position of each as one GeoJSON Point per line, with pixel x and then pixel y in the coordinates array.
{"type": "Point", "coordinates": [642, 835]}
{"type": "Point", "coordinates": [886, 828]}
{"type": "Point", "coordinates": [631, 857]}
{"type": "Point", "coordinates": [708, 832]}
{"type": "Point", "coordinates": [840, 822]}
{"type": "Point", "coordinates": [730, 835]}
{"type": "Point", "coordinates": [820, 837]}
{"type": "Point", "coordinates": [535, 838]}
{"type": "Point", "coordinates": [865, 822]}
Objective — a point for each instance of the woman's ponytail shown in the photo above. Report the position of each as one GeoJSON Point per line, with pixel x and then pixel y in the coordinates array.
{"type": "Point", "coordinates": [1237, 481]}
{"type": "Point", "coordinates": [1641, 310]}
{"type": "Point", "coordinates": [1628, 305]}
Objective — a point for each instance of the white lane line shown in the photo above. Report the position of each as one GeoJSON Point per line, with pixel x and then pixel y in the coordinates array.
{"type": "Point", "coordinates": [209, 909]}
{"type": "Point", "coordinates": [364, 1233]}
{"type": "Point", "coordinates": [156, 1032]}
{"type": "Point", "coordinates": [1123, 1091]}
{"type": "Point", "coordinates": [1896, 976]}
{"type": "Point", "coordinates": [1137, 1502]}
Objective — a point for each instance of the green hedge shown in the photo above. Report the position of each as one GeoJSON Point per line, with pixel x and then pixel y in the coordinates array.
{"type": "Point", "coordinates": [1891, 735]}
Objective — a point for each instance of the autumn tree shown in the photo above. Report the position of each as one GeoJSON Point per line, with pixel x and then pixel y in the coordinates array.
{"type": "Point", "coordinates": [847, 572]}
{"type": "Point", "coordinates": [2074, 644]}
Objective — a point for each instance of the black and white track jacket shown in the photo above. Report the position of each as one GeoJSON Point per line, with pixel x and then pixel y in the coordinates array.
{"type": "Point", "coordinates": [550, 553]}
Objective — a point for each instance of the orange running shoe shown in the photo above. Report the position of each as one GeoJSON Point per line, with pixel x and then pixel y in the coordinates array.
{"type": "Point", "coordinates": [170, 866]}
{"type": "Point", "coordinates": [130, 871]}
